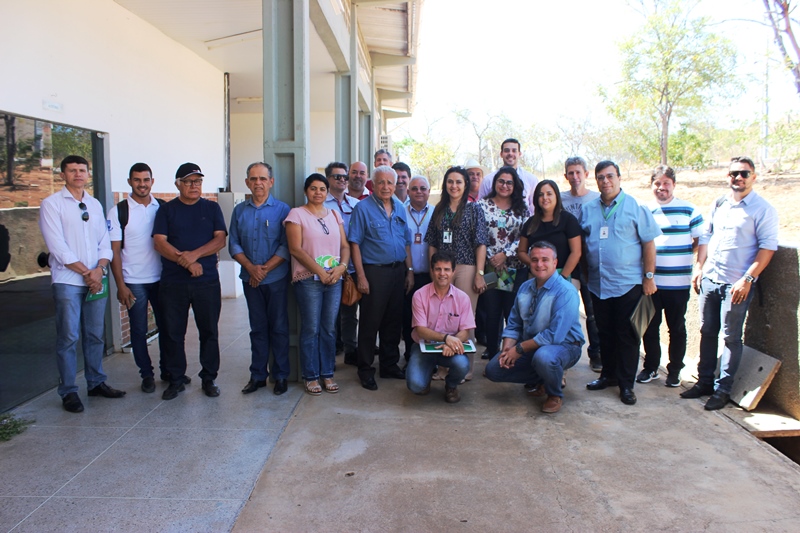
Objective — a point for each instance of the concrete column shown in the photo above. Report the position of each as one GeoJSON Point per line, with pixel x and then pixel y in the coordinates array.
{"type": "Point", "coordinates": [354, 64]}
{"type": "Point", "coordinates": [286, 114]}
{"type": "Point", "coordinates": [365, 146]}
{"type": "Point", "coordinates": [344, 122]}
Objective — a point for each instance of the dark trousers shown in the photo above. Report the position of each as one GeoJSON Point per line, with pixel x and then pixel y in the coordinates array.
{"type": "Point", "coordinates": [673, 303]}
{"type": "Point", "coordinates": [591, 321]}
{"type": "Point", "coordinates": [497, 306]}
{"type": "Point", "coordinates": [381, 312]}
{"type": "Point", "coordinates": [267, 308]}
{"type": "Point", "coordinates": [420, 280]}
{"type": "Point", "coordinates": [205, 299]}
{"type": "Point", "coordinates": [619, 345]}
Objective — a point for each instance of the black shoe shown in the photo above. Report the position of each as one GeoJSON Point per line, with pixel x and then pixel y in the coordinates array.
{"type": "Point", "coordinates": [697, 391]}
{"type": "Point", "coordinates": [281, 386]}
{"type": "Point", "coordinates": [486, 355]}
{"type": "Point", "coordinates": [718, 400]}
{"type": "Point", "coordinates": [395, 373]}
{"type": "Point", "coordinates": [350, 358]}
{"type": "Point", "coordinates": [106, 392]}
{"type": "Point", "coordinates": [601, 383]}
{"type": "Point", "coordinates": [171, 392]}
{"type": "Point", "coordinates": [72, 403]}
{"type": "Point", "coordinates": [252, 386]}
{"type": "Point", "coordinates": [166, 377]}
{"type": "Point", "coordinates": [148, 384]}
{"type": "Point", "coordinates": [627, 396]}
{"type": "Point", "coordinates": [369, 384]}
{"type": "Point", "coordinates": [596, 364]}
{"type": "Point", "coordinates": [210, 388]}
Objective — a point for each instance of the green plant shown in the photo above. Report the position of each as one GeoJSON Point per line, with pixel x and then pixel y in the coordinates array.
{"type": "Point", "coordinates": [10, 425]}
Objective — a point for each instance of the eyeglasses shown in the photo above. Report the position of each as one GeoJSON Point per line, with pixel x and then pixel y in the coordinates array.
{"type": "Point", "coordinates": [339, 177]}
{"type": "Point", "coordinates": [85, 214]}
{"type": "Point", "coordinates": [417, 189]}
{"type": "Point", "coordinates": [504, 183]}
{"type": "Point", "coordinates": [609, 177]}
{"type": "Point", "coordinates": [193, 183]}
{"type": "Point", "coordinates": [324, 227]}
{"type": "Point", "coordinates": [743, 173]}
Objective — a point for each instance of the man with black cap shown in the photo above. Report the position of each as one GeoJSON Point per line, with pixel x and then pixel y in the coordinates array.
{"type": "Point", "coordinates": [188, 232]}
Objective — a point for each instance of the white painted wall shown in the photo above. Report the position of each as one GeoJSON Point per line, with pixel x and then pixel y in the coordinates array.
{"type": "Point", "coordinates": [322, 146]}
{"type": "Point", "coordinates": [112, 72]}
{"type": "Point", "coordinates": [247, 146]}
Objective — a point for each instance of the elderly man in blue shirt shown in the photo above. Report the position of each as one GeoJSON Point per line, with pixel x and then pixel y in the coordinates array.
{"type": "Point", "coordinates": [258, 243]}
{"type": "Point", "coordinates": [380, 248]}
{"type": "Point", "coordinates": [620, 252]}
{"type": "Point", "coordinates": [737, 245]}
{"type": "Point", "coordinates": [543, 336]}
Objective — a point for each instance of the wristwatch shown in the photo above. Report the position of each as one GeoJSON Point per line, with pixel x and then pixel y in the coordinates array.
{"type": "Point", "coordinates": [480, 272]}
{"type": "Point", "coordinates": [749, 279]}
{"type": "Point", "coordinates": [104, 269]}
{"type": "Point", "coordinates": [519, 349]}
{"type": "Point", "coordinates": [649, 275]}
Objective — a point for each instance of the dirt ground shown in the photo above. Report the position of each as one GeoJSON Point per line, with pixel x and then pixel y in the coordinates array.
{"type": "Point", "coordinates": [30, 188]}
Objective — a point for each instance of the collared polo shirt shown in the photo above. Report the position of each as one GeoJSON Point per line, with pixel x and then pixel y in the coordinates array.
{"type": "Point", "coordinates": [549, 315]}
{"type": "Point", "coordinates": [680, 222]}
{"type": "Point", "coordinates": [258, 233]}
{"type": "Point", "coordinates": [615, 262]}
{"type": "Point", "coordinates": [381, 239]}
{"type": "Point", "coordinates": [69, 239]}
{"type": "Point", "coordinates": [735, 233]}
{"type": "Point", "coordinates": [140, 261]}
{"type": "Point", "coordinates": [449, 315]}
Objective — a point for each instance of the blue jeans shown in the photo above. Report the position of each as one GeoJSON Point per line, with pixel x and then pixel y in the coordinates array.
{"type": "Point", "coordinates": [717, 311]}
{"type": "Point", "coordinates": [76, 317]}
{"type": "Point", "coordinates": [267, 306]}
{"type": "Point", "coordinates": [319, 307]}
{"type": "Point", "coordinates": [144, 292]}
{"type": "Point", "coordinates": [205, 299]}
{"type": "Point", "coordinates": [544, 366]}
{"type": "Point", "coordinates": [420, 369]}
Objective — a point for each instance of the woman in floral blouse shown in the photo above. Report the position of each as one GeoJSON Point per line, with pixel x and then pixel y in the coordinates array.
{"type": "Point", "coordinates": [459, 228]}
{"type": "Point", "coordinates": [505, 211]}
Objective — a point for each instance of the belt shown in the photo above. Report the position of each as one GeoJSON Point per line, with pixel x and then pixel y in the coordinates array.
{"type": "Point", "coordinates": [388, 265]}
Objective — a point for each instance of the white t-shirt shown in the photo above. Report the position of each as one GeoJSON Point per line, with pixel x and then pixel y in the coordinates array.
{"type": "Point", "coordinates": [140, 261]}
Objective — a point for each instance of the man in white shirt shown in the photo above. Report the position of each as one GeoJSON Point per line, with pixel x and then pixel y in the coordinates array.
{"type": "Point", "coordinates": [137, 267]}
{"type": "Point", "coordinates": [511, 152]}
{"type": "Point", "coordinates": [74, 228]}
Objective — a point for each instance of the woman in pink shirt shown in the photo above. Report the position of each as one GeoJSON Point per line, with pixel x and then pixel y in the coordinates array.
{"type": "Point", "coordinates": [320, 253]}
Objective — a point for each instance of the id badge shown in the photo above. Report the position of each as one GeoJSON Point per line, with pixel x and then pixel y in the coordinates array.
{"type": "Point", "coordinates": [604, 232]}
{"type": "Point", "coordinates": [447, 237]}
{"type": "Point", "coordinates": [501, 223]}
{"type": "Point", "coordinates": [418, 238]}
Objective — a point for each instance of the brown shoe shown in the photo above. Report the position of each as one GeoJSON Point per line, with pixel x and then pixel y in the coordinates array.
{"type": "Point", "coordinates": [451, 395]}
{"type": "Point", "coordinates": [535, 391]}
{"type": "Point", "coordinates": [552, 404]}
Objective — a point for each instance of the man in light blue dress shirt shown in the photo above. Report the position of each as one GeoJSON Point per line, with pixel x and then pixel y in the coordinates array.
{"type": "Point", "coordinates": [737, 245]}
{"type": "Point", "coordinates": [620, 251]}
{"type": "Point", "coordinates": [258, 243]}
{"type": "Point", "coordinates": [418, 214]}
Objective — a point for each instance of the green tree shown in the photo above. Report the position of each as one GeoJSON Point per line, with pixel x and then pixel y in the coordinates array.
{"type": "Point", "coordinates": [69, 141]}
{"type": "Point", "coordinates": [427, 156]}
{"type": "Point", "coordinates": [673, 67]}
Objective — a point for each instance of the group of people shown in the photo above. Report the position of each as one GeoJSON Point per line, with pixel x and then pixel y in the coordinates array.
{"type": "Point", "coordinates": [502, 257]}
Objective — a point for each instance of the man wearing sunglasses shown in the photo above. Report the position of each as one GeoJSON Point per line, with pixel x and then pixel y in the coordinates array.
{"type": "Point", "coordinates": [188, 233]}
{"type": "Point", "coordinates": [74, 228]}
{"type": "Point", "coordinates": [339, 200]}
{"type": "Point", "coordinates": [736, 246]}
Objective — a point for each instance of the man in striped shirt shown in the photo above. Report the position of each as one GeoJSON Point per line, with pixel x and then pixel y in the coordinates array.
{"type": "Point", "coordinates": [681, 225]}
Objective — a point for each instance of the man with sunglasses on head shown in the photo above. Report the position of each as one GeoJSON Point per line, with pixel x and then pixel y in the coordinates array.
{"type": "Point", "coordinates": [74, 229]}
{"type": "Point", "coordinates": [738, 243]}
{"type": "Point", "coordinates": [339, 200]}
{"type": "Point", "coordinates": [188, 233]}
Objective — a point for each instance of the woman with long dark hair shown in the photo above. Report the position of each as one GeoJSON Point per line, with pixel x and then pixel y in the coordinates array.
{"type": "Point", "coordinates": [459, 227]}
{"type": "Point", "coordinates": [505, 210]}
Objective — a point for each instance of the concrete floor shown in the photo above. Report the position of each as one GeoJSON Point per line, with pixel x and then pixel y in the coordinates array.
{"type": "Point", "coordinates": [387, 460]}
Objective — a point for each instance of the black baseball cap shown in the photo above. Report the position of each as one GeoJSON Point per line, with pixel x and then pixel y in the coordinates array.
{"type": "Point", "coordinates": [186, 170]}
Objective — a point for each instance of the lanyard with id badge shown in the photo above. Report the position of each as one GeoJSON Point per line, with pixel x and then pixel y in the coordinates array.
{"type": "Point", "coordinates": [447, 233]}
{"type": "Point", "coordinates": [610, 213]}
{"type": "Point", "coordinates": [418, 223]}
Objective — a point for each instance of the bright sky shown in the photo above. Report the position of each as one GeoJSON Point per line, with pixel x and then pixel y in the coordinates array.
{"type": "Point", "coordinates": [540, 61]}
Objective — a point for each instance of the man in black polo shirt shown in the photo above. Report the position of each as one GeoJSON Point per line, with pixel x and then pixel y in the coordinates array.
{"type": "Point", "coordinates": [188, 232]}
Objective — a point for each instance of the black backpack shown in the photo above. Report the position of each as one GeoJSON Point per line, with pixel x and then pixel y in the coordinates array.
{"type": "Point", "coordinates": [123, 213]}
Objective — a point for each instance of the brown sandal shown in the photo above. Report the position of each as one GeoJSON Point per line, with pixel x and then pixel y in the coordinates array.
{"type": "Point", "coordinates": [313, 388]}
{"type": "Point", "coordinates": [330, 385]}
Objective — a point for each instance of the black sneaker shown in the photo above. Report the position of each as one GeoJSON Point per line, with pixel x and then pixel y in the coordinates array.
{"type": "Point", "coordinates": [673, 380]}
{"type": "Point", "coordinates": [148, 384]}
{"type": "Point", "coordinates": [646, 376]}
